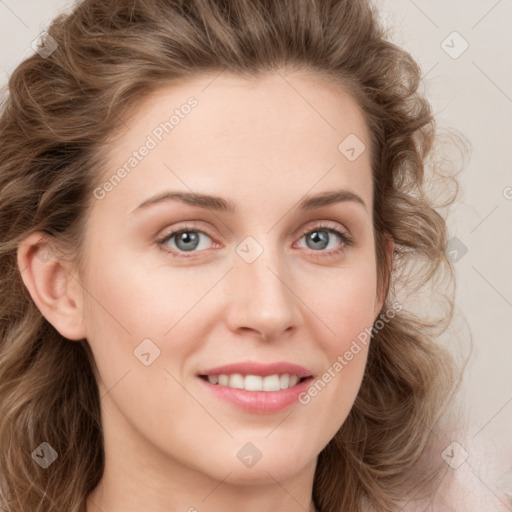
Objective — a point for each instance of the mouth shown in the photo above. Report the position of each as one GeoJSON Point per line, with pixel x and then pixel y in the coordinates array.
{"type": "Point", "coordinates": [276, 382]}
{"type": "Point", "coordinates": [255, 387]}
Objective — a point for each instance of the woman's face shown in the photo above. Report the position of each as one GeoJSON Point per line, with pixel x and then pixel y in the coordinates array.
{"type": "Point", "coordinates": [259, 278]}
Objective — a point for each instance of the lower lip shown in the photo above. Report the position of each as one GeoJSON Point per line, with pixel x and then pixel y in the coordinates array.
{"type": "Point", "coordinates": [261, 402]}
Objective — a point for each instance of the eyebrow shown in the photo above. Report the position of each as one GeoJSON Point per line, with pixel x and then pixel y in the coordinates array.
{"type": "Point", "coordinates": [221, 204]}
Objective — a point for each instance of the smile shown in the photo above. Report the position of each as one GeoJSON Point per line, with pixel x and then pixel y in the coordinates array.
{"type": "Point", "coordinates": [255, 387]}
{"type": "Point", "coordinates": [274, 382]}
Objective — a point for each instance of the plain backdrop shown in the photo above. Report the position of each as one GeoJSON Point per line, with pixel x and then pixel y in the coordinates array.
{"type": "Point", "coordinates": [464, 50]}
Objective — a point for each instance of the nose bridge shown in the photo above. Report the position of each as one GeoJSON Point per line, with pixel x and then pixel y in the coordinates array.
{"type": "Point", "coordinates": [263, 299]}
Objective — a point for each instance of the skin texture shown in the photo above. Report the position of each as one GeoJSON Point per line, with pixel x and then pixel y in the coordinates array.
{"type": "Point", "coordinates": [171, 444]}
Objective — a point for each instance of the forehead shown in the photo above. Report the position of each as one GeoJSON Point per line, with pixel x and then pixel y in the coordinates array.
{"type": "Point", "coordinates": [214, 132]}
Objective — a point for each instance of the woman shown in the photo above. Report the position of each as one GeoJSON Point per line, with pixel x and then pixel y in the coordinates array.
{"type": "Point", "coordinates": [274, 364]}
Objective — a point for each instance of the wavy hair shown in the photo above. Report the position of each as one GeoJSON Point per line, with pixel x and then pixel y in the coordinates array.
{"type": "Point", "coordinates": [56, 115]}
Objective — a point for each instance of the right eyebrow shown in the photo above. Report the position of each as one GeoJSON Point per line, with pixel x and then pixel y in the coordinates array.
{"type": "Point", "coordinates": [191, 198]}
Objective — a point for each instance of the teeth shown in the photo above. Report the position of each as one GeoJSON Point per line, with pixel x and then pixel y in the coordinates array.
{"type": "Point", "coordinates": [271, 383]}
{"type": "Point", "coordinates": [236, 381]}
{"type": "Point", "coordinates": [255, 382]}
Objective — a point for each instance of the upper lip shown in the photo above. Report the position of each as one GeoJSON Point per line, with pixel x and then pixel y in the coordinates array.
{"type": "Point", "coordinates": [262, 369]}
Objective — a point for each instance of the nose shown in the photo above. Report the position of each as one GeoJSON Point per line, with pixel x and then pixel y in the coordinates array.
{"type": "Point", "coordinates": [262, 299]}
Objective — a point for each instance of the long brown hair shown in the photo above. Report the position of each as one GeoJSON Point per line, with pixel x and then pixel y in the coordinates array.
{"type": "Point", "coordinates": [57, 113]}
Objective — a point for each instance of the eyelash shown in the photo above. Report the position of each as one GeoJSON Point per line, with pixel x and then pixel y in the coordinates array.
{"type": "Point", "coordinates": [346, 241]}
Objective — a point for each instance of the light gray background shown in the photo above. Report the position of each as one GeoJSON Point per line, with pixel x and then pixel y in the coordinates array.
{"type": "Point", "coordinates": [471, 93]}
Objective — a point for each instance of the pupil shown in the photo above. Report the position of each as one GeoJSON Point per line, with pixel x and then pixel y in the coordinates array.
{"type": "Point", "coordinates": [319, 237]}
{"type": "Point", "coordinates": [186, 237]}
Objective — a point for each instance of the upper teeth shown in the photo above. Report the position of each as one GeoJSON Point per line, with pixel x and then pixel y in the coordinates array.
{"type": "Point", "coordinates": [255, 382]}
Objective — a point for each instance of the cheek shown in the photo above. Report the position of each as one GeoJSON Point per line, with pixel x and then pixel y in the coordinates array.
{"type": "Point", "coordinates": [347, 309]}
{"type": "Point", "coordinates": [139, 302]}
{"type": "Point", "coordinates": [129, 303]}
{"type": "Point", "coordinates": [347, 305]}
{"type": "Point", "coordinates": [350, 315]}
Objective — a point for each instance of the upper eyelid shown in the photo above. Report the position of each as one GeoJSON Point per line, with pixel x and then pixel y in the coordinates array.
{"type": "Point", "coordinates": [311, 225]}
{"type": "Point", "coordinates": [321, 224]}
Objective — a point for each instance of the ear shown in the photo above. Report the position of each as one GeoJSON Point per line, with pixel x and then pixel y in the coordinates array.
{"type": "Point", "coordinates": [51, 284]}
{"type": "Point", "coordinates": [389, 246]}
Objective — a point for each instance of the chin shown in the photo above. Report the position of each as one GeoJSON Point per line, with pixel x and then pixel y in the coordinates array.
{"type": "Point", "coordinates": [264, 472]}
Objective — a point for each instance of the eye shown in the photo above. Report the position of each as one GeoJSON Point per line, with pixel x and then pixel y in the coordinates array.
{"type": "Point", "coordinates": [185, 240]}
{"type": "Point", "coordinates": [191, 240]}
{"type": "Point", "coordinates": [321, 237]}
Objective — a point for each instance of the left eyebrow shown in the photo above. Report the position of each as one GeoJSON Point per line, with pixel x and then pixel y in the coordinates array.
{"type": "Point", "coordinates": [328, 198]}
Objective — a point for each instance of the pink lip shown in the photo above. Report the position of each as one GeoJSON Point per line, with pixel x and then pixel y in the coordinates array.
{"type": "Point", "coordinates": [261, 402]}
{"type": "Point", "coordinates": [253, 368]}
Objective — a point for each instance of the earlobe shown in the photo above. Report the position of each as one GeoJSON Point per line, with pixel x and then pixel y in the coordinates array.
{"type": "Point", "coordinates": [53, 289]}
